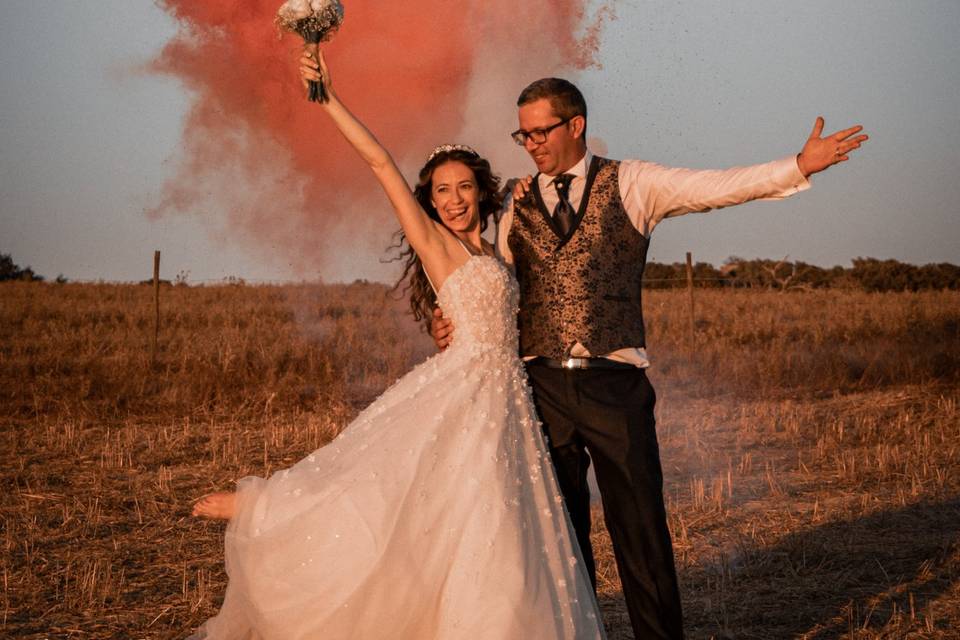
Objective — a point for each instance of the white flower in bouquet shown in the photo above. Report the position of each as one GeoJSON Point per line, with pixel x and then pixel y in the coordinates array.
{"type": "Point", "coordinates": [320, 5]}
{"type": "Point", "coordinates": [293, 10]}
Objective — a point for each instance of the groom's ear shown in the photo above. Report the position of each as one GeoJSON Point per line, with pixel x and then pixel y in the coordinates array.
{"type": "Point", "coordinates": [579, 125]}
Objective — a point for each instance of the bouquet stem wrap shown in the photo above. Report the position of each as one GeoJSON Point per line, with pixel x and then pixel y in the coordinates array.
{"type": "Point", "coordinates": [316, 91]}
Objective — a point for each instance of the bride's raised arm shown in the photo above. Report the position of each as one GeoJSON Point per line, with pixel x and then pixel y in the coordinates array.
{"type": "Point", "coordinates": [425, 236]}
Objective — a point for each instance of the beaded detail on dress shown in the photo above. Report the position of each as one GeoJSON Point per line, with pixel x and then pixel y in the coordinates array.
{"type": "Point", "coordinates": [483, 303]}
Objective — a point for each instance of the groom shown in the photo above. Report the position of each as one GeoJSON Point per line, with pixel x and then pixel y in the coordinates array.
{"type": "Point", "coordinates": [578, 242]}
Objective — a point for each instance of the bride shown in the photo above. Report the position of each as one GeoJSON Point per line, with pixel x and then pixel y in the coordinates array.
{"type": "Point", "coordinates": [436, 513]}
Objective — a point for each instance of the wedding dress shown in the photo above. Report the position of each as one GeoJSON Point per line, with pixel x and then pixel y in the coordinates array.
{"type": "Point", "coordinates": [434, 515]}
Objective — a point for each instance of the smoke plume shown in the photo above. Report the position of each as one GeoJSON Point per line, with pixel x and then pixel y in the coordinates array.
{"type": "Point", "coordinates": [265, 168]}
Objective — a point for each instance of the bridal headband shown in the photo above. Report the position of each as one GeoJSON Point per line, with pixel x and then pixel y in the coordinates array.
{"type": "Point", "coordinates": [447, 148]}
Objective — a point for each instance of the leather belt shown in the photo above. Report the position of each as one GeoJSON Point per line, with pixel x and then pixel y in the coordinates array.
{"type": "Point", "coordinates": [582, 363]}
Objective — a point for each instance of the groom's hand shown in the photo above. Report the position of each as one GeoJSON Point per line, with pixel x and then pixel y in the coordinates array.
{"type": "Point", "coordinates": [521, 187]}
{"type": "Point", "coordinates": [441, 330]}
{"type": "Point", "coordinates": [819, 153]}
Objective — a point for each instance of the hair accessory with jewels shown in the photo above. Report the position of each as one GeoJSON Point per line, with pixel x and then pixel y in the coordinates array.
{"type": "Point", "coordinates": [447, 148]}
{"type": "Point", "coordinates": [316, 21]}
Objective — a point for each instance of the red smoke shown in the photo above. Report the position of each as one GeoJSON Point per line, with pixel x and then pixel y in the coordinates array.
{"type": "Point", "coordinates": [266, 166]}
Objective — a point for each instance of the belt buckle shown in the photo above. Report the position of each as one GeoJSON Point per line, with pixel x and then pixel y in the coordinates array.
{"type": "Point", "coordinates": [574, 363]}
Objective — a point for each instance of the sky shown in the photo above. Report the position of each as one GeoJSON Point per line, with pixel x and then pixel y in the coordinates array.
{"type": "Point", "coordinates": [92, 136]}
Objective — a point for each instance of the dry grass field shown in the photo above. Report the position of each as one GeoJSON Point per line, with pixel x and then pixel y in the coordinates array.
{"type": "Point", "coordinates": [810, 442]}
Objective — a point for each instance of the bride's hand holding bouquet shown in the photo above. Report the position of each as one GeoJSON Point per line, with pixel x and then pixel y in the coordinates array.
{"type": "Point", "coordinates": [314, 71]}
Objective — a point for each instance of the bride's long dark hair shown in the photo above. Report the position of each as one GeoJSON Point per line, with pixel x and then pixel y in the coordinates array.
{"type": "Point", "coordinates": [414, 278]}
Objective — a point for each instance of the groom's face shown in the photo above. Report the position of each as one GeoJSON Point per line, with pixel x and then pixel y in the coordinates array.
{"type": "Point", "coordinates": [563, 146]}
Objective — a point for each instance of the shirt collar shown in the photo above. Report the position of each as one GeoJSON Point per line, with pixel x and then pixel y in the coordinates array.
{"type": "Point", "coordinates": [578, 170]}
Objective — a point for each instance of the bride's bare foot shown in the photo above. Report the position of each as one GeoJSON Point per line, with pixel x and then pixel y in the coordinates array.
{"type": "Point", "coordinates": [218, 506]}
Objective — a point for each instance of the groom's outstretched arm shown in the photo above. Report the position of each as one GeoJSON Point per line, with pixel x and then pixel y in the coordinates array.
{"type": "Point", "coordinates": [653, 192]}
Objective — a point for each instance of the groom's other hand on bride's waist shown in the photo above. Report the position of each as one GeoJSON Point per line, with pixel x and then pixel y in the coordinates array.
{"type": "Point", "coordinates": [441, 330]}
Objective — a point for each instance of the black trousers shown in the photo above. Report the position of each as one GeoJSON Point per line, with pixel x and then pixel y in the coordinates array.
{"type": "Point", "coordinates": [606, 415]}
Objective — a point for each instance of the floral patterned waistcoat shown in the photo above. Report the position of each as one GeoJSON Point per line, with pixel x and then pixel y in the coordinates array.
{"type": "Point", "coordinates": [585, 286]}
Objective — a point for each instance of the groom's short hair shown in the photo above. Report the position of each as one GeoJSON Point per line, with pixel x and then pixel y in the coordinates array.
{"type": "Point", "coordinates": [564, 97]}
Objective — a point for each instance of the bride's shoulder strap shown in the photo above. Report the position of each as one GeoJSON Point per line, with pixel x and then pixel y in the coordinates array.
{"type": "Point", "coordinates": [463, 246]}
{"type": "Point", "coordinates": [432, 286]}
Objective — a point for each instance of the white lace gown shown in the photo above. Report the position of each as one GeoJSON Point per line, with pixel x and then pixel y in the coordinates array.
{"type": "Point", "coordinates": [434, 515]}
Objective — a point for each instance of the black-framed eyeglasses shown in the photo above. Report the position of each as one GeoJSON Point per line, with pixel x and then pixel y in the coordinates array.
{"type": "Point", "coordinates": [536, 136]}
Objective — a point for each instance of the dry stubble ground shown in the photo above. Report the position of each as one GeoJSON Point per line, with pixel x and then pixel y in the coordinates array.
{"type": "Point", "coordinates": [810, 445]}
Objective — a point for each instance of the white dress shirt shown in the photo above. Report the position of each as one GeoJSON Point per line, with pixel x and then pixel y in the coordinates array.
{"type": "Point", "coordinates": [651, 192]}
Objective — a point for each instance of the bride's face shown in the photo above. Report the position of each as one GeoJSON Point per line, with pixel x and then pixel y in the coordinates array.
{"type": "Point", "coordinates": [456, 196]}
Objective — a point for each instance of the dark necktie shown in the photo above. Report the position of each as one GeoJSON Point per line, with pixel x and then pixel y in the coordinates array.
{"type": "Point", "coordinates": [563, 213]}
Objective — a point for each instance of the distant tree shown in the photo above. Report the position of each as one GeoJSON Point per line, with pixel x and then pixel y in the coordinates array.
{"type": "Point", "coordinates": [657, 275]}
{"type": "Point", "coordinates": [10, 271]}
{"type": "Point", "coordinates": [883, 275]}
{"type": "Point", "coordinates": [7, 268]}
{"type": "Point", "coordinates": [779, 275]}
{"type": "Point", "coordinates": [705, 275]}
{"type": "Point", "coordinates": [892, 275]}
{"type": "Point", "coordinates": [940, 276]}
{"type": "Point", "coordinates": [839, 278]}
{"type": "Point", "coordinates": [784, 275]}
{"type": "Point", "coordinates": [868, 274]}
{"type": "Point", "coordinates": [748, 273]}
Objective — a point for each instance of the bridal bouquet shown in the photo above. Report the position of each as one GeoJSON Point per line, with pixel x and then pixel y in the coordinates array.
{"type": "Point", "coordinates": [316, 21]}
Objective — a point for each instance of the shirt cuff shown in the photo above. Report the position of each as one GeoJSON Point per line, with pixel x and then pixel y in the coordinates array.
{"type": "Point", "coordinates": [787, 174]}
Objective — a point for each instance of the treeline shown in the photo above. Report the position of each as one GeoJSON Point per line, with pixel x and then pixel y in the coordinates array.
{"type": "Point", "coordinates": [866, 274]}
{"type": "Point", "coordinates": [10, 271]}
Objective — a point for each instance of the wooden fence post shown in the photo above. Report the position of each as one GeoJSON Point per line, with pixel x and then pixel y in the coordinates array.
{"type": "Point", "coordinates": [693, 329]}
{"type": "Point", "coordinates": [156, 307]}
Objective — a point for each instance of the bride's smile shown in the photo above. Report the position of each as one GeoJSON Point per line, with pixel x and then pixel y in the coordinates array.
{"type": "Point", "coordinates": [456, 196]}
